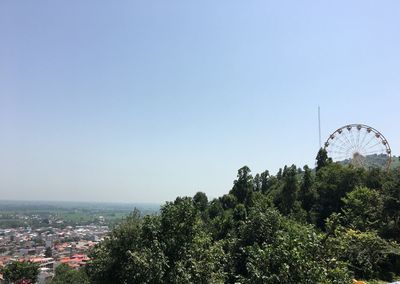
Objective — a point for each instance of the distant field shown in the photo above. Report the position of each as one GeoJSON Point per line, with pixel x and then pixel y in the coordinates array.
{"type": "Point", "coordinates": [60, 214]}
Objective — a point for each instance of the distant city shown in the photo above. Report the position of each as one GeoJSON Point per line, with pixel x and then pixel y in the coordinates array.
{"type": "Point", "coordinates": [54, 233]}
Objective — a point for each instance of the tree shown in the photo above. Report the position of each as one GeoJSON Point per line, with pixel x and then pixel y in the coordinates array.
{"type": "Point", "coordinates": [368, 255]}
{"type": "Point", "coordinates": [257, 182]}
{"type": "Point", "coordinates": [179, 224]}
{"type": "Point", "coordinates": [265, 181]}
{"type": "Point", "coordinates": [201, 262]}
{"type": "Point", "coordinates": [243, 186]}
{"type": "Point", "coordinates": [332, 183]}
{"type": "Point", "coordinates": [125, 258]}
{"type": "Point", "coordinates": [16, 272]}
{"type": "Point", "coordinates": [375, 178]}
{"type": "Point", "coordinates": [228, 201]}
{"type": "Point", "coordinates": [66, 275]}
{"type": "Point", "coordinates": [322, 159]}
{"type": "Point", "coordinates": [242, 237]}
{"type": "Point", "coordinates": [215, 209]}
{"type": "Point", "coordinates": [239, 213]}
{"type": "Point", "coordinates": [48, 252]}
{"type": "Point", "coordinates": [306, 196]}
{"type": "Point", "coordinates": [190, 253]}
{"type": "Point", "coordinates": [295, 255]}
{"type": "Point", "coordinates": [391, 206]}
{"type": "Point", "coordinates": [279, 174]}
{"type": "Point", "coordinates": [262, 225]}
{"type": "Point", "coordinates": [272, 249]}
{"type": "Point", "coordinates": [200, 200]}
{"type": "Point", "coordinates": [289, 190]}
{"type": "Point", "coordinates": [363, 208]}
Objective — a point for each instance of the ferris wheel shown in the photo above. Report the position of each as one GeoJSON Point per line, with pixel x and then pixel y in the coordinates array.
{"type": "Point", "coordinates": [359, 145]}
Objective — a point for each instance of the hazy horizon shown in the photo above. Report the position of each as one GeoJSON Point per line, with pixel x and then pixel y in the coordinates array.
{"type": "Point", "coordinates": [38, 201]}
{"type": "Point", "coordinates": [144, 101]}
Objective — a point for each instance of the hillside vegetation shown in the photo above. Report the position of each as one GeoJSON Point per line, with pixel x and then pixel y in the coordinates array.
{"type": "Point", "coordinates": [298, 226]}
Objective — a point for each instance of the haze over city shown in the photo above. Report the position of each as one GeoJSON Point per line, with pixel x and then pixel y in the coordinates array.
{"type": "Point", "coordinates": [146, 101]}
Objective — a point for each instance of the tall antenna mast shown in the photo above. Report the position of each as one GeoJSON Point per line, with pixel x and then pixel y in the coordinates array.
{"type": "Point", "coordinates": [319, 126]}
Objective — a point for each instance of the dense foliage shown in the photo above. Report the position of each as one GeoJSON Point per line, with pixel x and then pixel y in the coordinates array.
{"type": "Point", "coordinates": [327, 225]}
{"type": "Point", "coordinates": [20, 272]}
{"type": "Point", "coordinates": [66, 275]}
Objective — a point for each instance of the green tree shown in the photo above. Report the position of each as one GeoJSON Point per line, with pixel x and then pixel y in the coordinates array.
{"type": "Point", "coordinates": [332, 183]}
{"type": "Point", "coordinates": [262, 225]}
{"type": "Point", "coordinates": [125, 257]}
{"type": "Point", "coordinates": [375, 178]}
{"type": "Point", "coordinates": [215, 209]}
{"type": "Point", "coordinates": [242, 237]}
{"type": "Point", "coordinates": [265, 181]}
{"type": "Point", "coordinates": [200, 200]}
{"type": "Point", "coordinates": [391, 207]}
{"type": "Point", "coordinates": [239, 213]}
{"type": "Point", "coordinates": [48, 252]}
{"type": "Point", "coordinates": [16, 271]}
{"type": "Point", "coordinates": [306, 194]}
{"type": "Point", "coordinates": [368, 255]}
{"type": "Point", "coordinates": [228, 201]}
{"type": "Point", "coordinates": [66, 275]}
{"type": "Point", "coordinates": [201, 262]}
{"type": "Point", "coordinates": [322, 159]}
{"type": "Point", "coordinates": [243, 186]}
{"type": "Point", "coordinates": [179, 223]}
{"type": "Point", "coordinates": [257, 182]}
{"type": "Point", "coordinates": [289, 190]}
{"type": "Point", "coordinates": [295, 255]}
{"type": "Point", "coordinates": [191, 255]}
{"type": "Point", "coordinates": [272, 249]}
{"type": "Point", "coordinates": [363, 208]}
{"type": "Point", "coordinates": [223, 225]}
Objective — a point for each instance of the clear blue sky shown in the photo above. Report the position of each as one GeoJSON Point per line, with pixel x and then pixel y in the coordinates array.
{"type": "Point", "coordinates": [141, 101]}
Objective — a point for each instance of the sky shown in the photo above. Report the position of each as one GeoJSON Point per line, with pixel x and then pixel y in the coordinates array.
{"type": "Point", "coordinates": [143, 101]}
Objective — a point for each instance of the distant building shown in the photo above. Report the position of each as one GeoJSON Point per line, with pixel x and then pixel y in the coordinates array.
{"type": "Point", "coordinates": [45, 275]}
{"type": "Point", "coordinates": [76, 261]}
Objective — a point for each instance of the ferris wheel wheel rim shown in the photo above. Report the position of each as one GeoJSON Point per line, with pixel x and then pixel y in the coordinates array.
{"type": "Point", "coordinates": [369, 129]}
